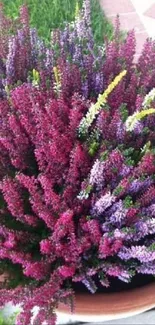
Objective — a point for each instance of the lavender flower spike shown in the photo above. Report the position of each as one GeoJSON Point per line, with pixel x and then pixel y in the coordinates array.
{"type": "Point", "coordinates": [96, 174]}
{"type": "Point", "coordinates": [103, 203]}
{"type": "Point", "coordinates": [141, 253]}
{"type": "Point", "coordinates": [119, 214]}
{"type": "Point", "coordinates": [10, 67]}
{"type": "Point", "coordinates": [147, 268]}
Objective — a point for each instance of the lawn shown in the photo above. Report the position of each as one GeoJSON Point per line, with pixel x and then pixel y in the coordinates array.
{"type": "Point", "coordinates": [49, 14]}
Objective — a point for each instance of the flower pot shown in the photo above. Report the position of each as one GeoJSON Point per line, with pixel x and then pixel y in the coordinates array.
{"type": "Point", "coordinates": [102, 307]}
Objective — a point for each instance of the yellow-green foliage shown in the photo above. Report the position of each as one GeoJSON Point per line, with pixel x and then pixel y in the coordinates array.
{"type": "Point", "coordinates": [133, 119]}
{"type": "Point", "coordinates": [101, 101]}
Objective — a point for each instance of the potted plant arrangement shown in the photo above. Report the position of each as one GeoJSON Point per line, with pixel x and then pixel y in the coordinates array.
{"type": "Point", "coordinates": [77, 172]}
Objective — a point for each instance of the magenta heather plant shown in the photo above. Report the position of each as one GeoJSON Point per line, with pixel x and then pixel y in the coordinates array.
{"type": "Point", "coordinates": [77, 173]}
{"type": "Point", "coordinates": [71, 210]}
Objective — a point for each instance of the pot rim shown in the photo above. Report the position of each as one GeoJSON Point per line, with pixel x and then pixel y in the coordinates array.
{"type": "Point", "coordinates": [108, 306]}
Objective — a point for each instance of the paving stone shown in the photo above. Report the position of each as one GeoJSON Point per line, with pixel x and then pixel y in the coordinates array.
{"type": "Point", "coordinates": [140, 40]}
{"type": "Point", "coordinates": [129, 22]}
{"type": "Point", "coordinates": [130, 17]}
{"type": "Point", "coordinates": [114, 7]}
{"type": "Point", "coordinates": [150, 12]}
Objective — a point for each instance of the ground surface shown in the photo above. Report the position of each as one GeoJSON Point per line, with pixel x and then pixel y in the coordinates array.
{"type": "Point", "coordinates": [143, 319]}
{"type": "Point", "coordinates": [137, 14]}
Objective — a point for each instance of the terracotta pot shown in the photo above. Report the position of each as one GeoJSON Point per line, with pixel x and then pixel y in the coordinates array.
{"type": "Point", "coordinates": [102, 307]}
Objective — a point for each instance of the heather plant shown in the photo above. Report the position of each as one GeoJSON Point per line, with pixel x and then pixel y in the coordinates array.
{"type": "Point", "coordinates": [77, 173]}
{"type": "Point", "coordinates": [69, 210]}
{"type": "Point", "coordinates": [80, 62]}
{"type": "Point", "coordinates": [73, 49]}
{"type": "Point", "coordinates": [88, 67]}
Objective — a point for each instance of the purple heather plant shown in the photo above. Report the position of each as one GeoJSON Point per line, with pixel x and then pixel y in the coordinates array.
{"type": "Point", "coordinates": [77, 185]}
{"type": "Point", "coordinates": [74, 45]}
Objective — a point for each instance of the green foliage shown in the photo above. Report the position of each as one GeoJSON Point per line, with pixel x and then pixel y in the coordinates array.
{"type": "Point", "coordinates": [128, 152]}
{"type": "Point", "coordinates": [152, 247]}
{"type": "Point", "coordinates": [118, 190]}
{"type": "Point", "coordinates": [104, 155]}
{"type": "Point", "coordinates": [100, 24]}
{"type": "Point", "coordinates": [47, 15]}
{"type": "Point", "coordinates": [129, 162]}
{"type": "Point", "coordinates": [124, 112]}
{"type": "Point", "coordinates": [93, 142]}
{"type": "Point", "coordinates": [9, 320]}
{"type": "Point", "coordinates": [128, 203]}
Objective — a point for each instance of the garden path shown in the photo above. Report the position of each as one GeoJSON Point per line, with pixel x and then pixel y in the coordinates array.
{"type": "Point", "coordinates": [137, 14]}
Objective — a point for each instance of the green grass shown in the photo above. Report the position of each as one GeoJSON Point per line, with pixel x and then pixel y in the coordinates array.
{"type": "Point", "coordinates": [46, 15]}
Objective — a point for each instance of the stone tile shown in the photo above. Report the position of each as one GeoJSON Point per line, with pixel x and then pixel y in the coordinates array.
{"type": "Point", "coordinates": [142, 5]}
{"type": "Point", "coordinates": [136, 57]}
{"type": "Point", "coordinates": [150, 12]}
{"type": "Point", "coordinates": [147, 318]}
{"type": "Point", "coordinates": [129, 22]}
{"type": "Point", "coordinates": [140, 40]}
{"type": "Point", "coordinates": [114, 7]}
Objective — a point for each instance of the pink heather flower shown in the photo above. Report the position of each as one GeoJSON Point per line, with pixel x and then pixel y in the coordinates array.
{"type": "Point", "coordinates": [117, 245]}
{"type": "Point", "coordinates": [42, 317]}
{"type": "Point", "coordinates": [123, 187]}
{"type": "Point", "coordinates": [66, 271]}
{"type": "Point", "coordinates": [148, 197]}
{"type": "Point", "coordinates": [84, 243]}
{"type": "Point", "coordinates": [30, 183]}
{"type": "Point", "coordinates": [24, 16]}
{"type": "Point", "coordinates": [139, 102]}
{"type": "Point", "coordinates": [46, 247]}
{"type": "Point", "coordinates": [114, 271]}
{"type": "Point", "coordinates": [109, 247]}
{"type": "Point", "coordinates": [128, 49]}
{"type": "Point", "coordinates": [132, 215]}
{"type": "Point", "coordinates": [113, 164]}
{"type": "Point", "coordinates": [63, 225]}
{"type": "Point", "coordinates": [50, 196]}
{"type": "Point", "coordinates": [36, 270]}
{"type": "Point", "coordinates": [12, 196]}
{"type": "Point", "coordinates": [105, 247]}
{"type": "Point", "coordinates": [94, 230]}
{"type": "Point", "coordinates": [146, 165]}
{"type": "Point", "coordinates": [24, 316]}
{"type": "Point", "coordinates": [11, 242]}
